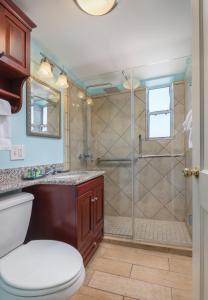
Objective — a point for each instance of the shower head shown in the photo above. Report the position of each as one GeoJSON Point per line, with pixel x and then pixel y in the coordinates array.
{"type": "Point", "coordinates": [111, 90]}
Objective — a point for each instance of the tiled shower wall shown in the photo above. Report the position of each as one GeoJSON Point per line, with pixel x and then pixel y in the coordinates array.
{"type": "Point", "coordinates": [159, 184]}
{"type": "Point", "coordinates": [74, 129]}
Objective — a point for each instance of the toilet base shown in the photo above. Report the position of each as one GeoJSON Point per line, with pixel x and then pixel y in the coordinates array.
{"type": "Point", "coordinates": [64, 294]}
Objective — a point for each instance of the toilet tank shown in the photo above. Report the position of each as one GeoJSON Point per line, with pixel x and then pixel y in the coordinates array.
{"type": "Point", "coordinates": [15, 213]}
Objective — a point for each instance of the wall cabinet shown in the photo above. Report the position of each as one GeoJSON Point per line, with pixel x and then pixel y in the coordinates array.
{"type": "Point", "coordinates": [72, 214]}
{"type": "Point", "coordinates": [15, 29]}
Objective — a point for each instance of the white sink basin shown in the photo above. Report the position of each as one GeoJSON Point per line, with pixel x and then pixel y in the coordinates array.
{"type": "Point", "coordinates": [72, 175]}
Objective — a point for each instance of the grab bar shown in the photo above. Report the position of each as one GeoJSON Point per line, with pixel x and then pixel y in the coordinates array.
{"type": "Point", "coordinates": [162, 155]}
{"type": "Point", "coordinates": [114, 159]}
{"type": "Point", "coordinates": [139, 157]}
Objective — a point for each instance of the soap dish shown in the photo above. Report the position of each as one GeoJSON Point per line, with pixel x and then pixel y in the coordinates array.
{"type": "Point", "coordinates": [33, 177]}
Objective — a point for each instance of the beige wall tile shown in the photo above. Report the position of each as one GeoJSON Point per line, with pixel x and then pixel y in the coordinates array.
{"type": "Point", "coordinates": [129, 287]}
{"type": "Point", "coordinates": [181, 266]}
{"type": "Point", "coordinates": [161, 277]}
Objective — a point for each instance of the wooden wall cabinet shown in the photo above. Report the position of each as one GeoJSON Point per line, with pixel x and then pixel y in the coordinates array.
{"type": "Point", "coordinates": [72, 214]}
{"type": "Point", "coordinates": [15, 29]}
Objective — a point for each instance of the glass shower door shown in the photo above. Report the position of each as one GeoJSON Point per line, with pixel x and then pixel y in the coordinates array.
{"type": "Point", "coordinates": [111, 146]}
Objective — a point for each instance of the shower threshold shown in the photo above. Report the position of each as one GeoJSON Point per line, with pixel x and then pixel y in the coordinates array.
{"type": "Point", "coordinates": [171, 234]}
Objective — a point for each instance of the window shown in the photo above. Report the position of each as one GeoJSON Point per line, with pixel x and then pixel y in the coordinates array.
{"type": "Point", "coordinates": [159, 112]}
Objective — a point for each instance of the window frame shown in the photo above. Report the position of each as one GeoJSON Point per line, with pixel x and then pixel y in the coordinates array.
{"type": "Point", "coordinates": [160, 112]}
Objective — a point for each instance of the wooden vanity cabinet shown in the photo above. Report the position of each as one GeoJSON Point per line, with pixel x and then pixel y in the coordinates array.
{"type": "Point", "coordinates": [72, 214]}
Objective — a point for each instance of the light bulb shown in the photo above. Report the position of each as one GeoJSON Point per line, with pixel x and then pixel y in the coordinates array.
{"type": "Point", "coordinates": [95, 7]}
{"type": "Point", "coordinates": [45, 69]}
{"type": "Point", "coordinates": [62, 81]}
{"type": "Point", "coordinates": [81, 95]}
{"type": "Point", "coordinates": [89, 101]}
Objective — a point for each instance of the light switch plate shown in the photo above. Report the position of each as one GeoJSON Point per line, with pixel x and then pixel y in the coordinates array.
{"type": "Point", "coordinates": [17, 152]}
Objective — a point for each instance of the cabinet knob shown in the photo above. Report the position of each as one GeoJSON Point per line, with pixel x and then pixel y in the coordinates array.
{"type": "Point", "coordinates": [94, 244]}
{"type": "Point", "coordinates": [93, 200]}
{"type": "Point", "coordinates": [96, 198]}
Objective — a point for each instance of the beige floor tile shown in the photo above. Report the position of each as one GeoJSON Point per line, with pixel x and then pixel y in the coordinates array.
{"type": "Point", "coordinates": [181, 266]}
{"type": "Point", "coordinates": [111, 266]}
{"type": "Point", "coordinates": [181, 294]}
{"type": "Point", "coordinates": [129, 287]}
{"type": "Point", "coordinates": [134, 256]}
{"type": "Point", "coordinates": [161, 277]}
{"type": "Point", "coordinates": [88, 275]}
{"type": "Point", "coordinates": [87, 293]}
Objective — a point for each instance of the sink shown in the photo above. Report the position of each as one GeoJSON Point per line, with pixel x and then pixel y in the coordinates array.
{"type": "Point", "coordinates": [72, 175]}
{"type": "Point", "coordinates": [78, 173]}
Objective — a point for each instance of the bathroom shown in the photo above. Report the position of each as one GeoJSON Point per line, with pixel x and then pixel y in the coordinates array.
{"type": "Point", "coordinates": [99, 158]}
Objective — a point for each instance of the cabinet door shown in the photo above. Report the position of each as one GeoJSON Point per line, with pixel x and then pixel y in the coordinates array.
{"type": "Point", "coordinates": [85, 220]}
{"type": "Point", "coordinates": [98, 207]}
{"type": "Point", "coordinates": [17, 41]}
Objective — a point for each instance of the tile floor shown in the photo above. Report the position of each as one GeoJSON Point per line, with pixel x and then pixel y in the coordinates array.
{"type": "Point", "coordinates": [123, 273]}
{"type": "Point", "coordinates": [153, 231]}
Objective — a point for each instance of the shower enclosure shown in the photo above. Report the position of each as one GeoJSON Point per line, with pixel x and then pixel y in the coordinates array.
{"type": "Point", "coordinates": [135, 134]}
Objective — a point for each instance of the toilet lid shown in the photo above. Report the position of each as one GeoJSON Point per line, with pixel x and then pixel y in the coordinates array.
{"type": "Point", "coordinates": [40, 265]}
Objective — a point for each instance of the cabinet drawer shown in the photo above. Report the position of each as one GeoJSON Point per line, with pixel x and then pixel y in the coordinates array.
{"type": "Point", "coordinates": [89, 185]}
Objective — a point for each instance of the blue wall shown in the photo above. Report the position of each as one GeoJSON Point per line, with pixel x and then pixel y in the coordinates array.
{"type": "Point", "coordinates": [37, 150]}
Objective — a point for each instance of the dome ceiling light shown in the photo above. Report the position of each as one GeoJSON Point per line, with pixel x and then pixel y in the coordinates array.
{"type": "Point", "coordinates": [96, 7]}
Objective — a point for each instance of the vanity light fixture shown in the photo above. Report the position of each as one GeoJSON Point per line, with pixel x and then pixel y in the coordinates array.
{"type": "Point", "coordinates": [81, 95]}
{"type": "Point", "coordinates": [62, 80]}
{"type": "Point", "coordinates": [89, 101]}
{"type": "Point", "coordinates": [45, 69]}
{"type": "Point", "coordinates": [96, 7]}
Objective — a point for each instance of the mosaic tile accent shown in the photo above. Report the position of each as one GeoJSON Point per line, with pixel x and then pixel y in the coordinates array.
{"type": "Point", "coordinates": [153, 231]}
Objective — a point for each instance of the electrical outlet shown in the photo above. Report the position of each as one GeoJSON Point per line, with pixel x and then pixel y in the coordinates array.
{"type": "Point", "coordinates": [17, 152]}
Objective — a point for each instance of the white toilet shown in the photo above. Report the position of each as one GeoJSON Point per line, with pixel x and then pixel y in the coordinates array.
{"type": "Point", "coordinates": [39, 270]}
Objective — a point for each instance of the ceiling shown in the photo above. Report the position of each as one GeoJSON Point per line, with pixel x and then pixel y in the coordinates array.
{"type": "Point", "coordinates": [137, 32]}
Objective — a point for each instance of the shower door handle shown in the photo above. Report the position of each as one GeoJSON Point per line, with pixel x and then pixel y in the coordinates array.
{"type": "Point", "coordinates": [140, 145]}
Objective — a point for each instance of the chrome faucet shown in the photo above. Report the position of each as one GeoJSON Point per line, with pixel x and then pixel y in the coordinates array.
{"type": "Point", "coordinates": [51, 170]}
{"type": "Point", "coordinates": [85, 156]}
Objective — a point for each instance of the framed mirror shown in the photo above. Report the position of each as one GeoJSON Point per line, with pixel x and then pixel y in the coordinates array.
{"type": "Point", "coordinates": [43, 109]}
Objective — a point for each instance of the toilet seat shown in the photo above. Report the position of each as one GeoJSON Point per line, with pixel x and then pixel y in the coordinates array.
{"type": "Point", "coordinates": [40, 268]}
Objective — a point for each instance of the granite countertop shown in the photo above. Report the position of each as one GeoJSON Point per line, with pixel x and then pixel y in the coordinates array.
{"type": "Point", "coordinates": [69, 178]}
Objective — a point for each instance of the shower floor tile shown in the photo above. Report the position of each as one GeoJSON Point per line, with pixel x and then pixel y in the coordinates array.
{"type": "Point", "coordinates": [152, 231]}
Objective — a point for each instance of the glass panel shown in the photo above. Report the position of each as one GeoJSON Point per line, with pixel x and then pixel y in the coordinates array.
{"type": "Point", "coordinates": [159, 126]}
{"type": "Point", "coordinates": [159, 99]}
{"type": "Point", "coordinates": [162, 196]}
{"type": "Point", "coordinates": [111, 148]}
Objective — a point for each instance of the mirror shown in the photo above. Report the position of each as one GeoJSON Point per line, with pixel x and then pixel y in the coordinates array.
{"type": "Point", "coordinates": [43, 109]}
